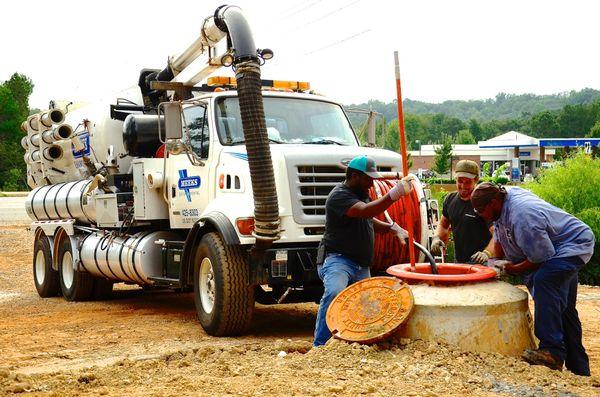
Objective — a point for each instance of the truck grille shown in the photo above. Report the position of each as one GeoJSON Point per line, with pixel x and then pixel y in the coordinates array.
{"type": "Point", "coordinates": [311, 177]}
{"type": "Point", "coordinates": [315, 183]}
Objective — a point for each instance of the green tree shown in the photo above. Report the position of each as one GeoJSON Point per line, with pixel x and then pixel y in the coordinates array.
{"type": "Point", "coordinates": [21, 88]}
{"type": "Point", "coordinates": [14, 96]}
{"type": "Point", "coordinates": [391, 139]}
{"type": "Point", "coordinates": [464, 137]}
{"type": "Point", "coordinates": [476, 130]}
{"type": "Point", "coordinates": [443, 154]}
{"type": "Point", "coordinates": [594, 131]}
{"type": "Point", "coordinates": [576, 120]}
{"type": "Point", "coordinates": [544, 124]}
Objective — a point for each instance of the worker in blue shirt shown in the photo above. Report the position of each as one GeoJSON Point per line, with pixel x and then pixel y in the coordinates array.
{"type": "Point", "coordinates": [547, 247]}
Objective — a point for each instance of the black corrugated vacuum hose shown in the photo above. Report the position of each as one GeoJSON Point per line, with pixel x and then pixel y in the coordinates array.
{"type": "Point", "coordinates": [266, 208]}
{"type": "Point", "coordinates": [246, 64]}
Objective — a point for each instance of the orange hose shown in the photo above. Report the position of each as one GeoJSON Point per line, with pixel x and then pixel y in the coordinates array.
{"type": "Point", "coordinates": [387, 249]}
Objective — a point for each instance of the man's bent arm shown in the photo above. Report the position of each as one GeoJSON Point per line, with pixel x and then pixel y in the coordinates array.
{"type": "Point", "coordinates": [490, 249]}
{"type": "Point", "coordinates": [369, 210]}
{"type": "Point", "coordinates": [380, 226]}
{"type": "Point", "coordinates": [521, 267]}
{"type": "Point", "coordinates": [443, 229]}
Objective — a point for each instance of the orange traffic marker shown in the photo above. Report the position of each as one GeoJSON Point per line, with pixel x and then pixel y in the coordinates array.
{"type": "Point", "coordinates": [370, 310]}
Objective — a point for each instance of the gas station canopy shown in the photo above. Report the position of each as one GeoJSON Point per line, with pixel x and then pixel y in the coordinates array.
{"type": "Point", "coordinates": [569, 142]}
{"type": "Point", "coordinates": [508, 140]}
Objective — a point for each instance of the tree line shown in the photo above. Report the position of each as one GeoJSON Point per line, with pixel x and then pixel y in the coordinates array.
{"type": "Point", "coordinates": [503, 106]}
{"type": "Point", "coordinates": [573, 114]}
{"type": "Point", "coordinates": [571, 120]}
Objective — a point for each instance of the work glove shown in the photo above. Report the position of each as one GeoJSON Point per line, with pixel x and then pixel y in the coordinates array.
{"type": "Point", "coordinates": [498, 266]}
{"type": "Point", "coordinates": [480, 257]}
{"type": "Point", "coordinates": [402, 188]}
{"type": "Point", "coordinates": [400, 233]}
{"type": "Point", "coordinates": [436, 245]}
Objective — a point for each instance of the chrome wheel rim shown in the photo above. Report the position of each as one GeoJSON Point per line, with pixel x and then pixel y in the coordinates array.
{"type": "Point", "coordinates": [207, 285]}
{"type": "Point", "coordinates": [40, 267]}
{"type": "Point", "coordinates": [68, 274]}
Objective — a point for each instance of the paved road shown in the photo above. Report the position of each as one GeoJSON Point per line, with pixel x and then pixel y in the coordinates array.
{"type": "Point", "coordinates": [12, 211]}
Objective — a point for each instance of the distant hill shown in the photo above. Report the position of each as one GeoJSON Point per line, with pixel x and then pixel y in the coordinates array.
{"type": "Point", "coordinates": [503, 106]}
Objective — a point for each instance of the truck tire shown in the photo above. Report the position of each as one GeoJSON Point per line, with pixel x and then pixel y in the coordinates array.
{"type": "Point", "coordinates": [45, 278]}
{"type": "Point", "coordinates": [102, 289]}
{"type": "Point", "coordinates": [222, 294]}
{"type": "Point", "coordinates": [75, 285]}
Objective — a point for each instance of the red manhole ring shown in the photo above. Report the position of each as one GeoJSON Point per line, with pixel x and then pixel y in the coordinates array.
{"type": "Point", "coordinates": [449, 273]}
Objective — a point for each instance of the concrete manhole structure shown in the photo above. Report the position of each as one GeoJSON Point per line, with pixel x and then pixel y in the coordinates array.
{"type": "Point", "coordinates": [466, 306]}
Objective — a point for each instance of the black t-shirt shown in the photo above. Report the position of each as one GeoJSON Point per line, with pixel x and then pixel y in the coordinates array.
{"type": "Point", "coordinates": [351, 237]}
{"type": "Point", "coordinates": [471, 232]}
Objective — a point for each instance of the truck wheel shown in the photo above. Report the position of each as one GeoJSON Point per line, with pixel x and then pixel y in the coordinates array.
{"type": "Point", "coordinates": [102, 289]}
{"type": "Point", "coordinates": [75, 285]}
{"type": "Point", "coordinates": [222, 294]}
{"type": "Point", "coordinates": [45, 278]}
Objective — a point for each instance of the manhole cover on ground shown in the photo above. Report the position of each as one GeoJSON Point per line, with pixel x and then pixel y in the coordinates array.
{"type": "Point", "coordinates": [370, 310]}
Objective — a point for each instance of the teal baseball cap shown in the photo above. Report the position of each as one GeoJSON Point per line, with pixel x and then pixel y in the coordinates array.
{"type": "Point", "coordinates": [366, 165]}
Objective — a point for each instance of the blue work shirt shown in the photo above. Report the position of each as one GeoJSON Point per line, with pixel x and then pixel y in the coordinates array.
{"type": "Point", "coordinates": [530, 228]}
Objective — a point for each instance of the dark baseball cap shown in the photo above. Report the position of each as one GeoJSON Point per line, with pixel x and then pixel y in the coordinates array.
{"type": "Point", "coordinates": [366, 165]}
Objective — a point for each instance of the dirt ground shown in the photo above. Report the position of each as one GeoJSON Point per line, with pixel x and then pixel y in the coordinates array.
{"type": "Point", "coordinates": [149, 343]}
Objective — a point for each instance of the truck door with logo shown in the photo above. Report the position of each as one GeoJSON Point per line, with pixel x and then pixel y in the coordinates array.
{"type": "Point", "coordinates": [188, 173]}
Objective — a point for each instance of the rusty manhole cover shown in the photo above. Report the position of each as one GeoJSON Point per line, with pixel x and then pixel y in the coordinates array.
{"type": "Point", "coordinates": [370, 310]}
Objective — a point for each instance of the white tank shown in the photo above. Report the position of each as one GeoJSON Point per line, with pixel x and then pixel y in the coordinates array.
{"type": "Point", "coordinates": [483, 317]}
{"type": "Point", "coordinates": [104, 132]}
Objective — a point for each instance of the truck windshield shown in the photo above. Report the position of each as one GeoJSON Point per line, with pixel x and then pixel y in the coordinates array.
{"type": "Point", "coordinates": [289, 120]}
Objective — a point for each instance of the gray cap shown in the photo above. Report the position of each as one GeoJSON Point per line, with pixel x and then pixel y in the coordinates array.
{"type": "Point", "coordinates": [467, 169]}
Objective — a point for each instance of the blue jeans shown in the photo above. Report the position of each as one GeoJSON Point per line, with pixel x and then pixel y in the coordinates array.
{"type": "Point", "coordinates": [337, 272]}
{"type": "Point", "coordinates": [554, 290]}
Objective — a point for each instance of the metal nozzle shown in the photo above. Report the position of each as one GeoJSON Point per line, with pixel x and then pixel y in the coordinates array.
{"type": "Point", "coordinates": [63, 131]}
{"type": "Point", "coordinates": [52, 116]}
{"type": "Point", "coordinates": [53, 152]}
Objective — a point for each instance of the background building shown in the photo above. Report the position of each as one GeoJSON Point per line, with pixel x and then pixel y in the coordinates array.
{"type": "Point", "coordinates": [513, 147]}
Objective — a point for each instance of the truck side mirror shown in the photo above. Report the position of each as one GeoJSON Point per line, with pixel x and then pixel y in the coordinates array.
{"type": "Point", "coordinates": [173, 125]}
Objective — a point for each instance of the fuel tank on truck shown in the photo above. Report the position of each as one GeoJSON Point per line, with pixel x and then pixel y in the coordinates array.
{"type": "Point", "coordinates": [133, 259]}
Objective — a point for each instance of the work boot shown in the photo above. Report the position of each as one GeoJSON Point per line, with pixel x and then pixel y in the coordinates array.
{"type": "Point", "coordinates": [542, 357]}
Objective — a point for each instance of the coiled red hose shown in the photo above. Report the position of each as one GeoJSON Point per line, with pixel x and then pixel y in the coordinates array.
{"type": "Point", "coordinates": [388, 250]}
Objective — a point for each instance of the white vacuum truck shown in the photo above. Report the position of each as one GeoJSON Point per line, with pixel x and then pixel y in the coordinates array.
{"type": "Point", "coordinates": [214, 184]}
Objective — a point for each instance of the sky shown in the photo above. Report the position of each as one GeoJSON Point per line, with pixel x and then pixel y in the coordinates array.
{"type": "Point", "coordinates": [84, 50]}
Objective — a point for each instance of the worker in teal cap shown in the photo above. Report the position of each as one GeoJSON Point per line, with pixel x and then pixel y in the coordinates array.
{"type": "Point", "coordinates": [347, 245]}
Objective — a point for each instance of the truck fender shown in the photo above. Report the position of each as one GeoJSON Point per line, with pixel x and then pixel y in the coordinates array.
{"type": "Point", "coordinates": [39, 233]}
{"type": "Point", "coordinates": [59, 235]}
{"type": "Point", "coordinates": [210, 222]}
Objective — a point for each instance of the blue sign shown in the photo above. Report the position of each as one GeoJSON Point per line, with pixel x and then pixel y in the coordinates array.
{"type": "Point", "coordinates": [186, 183]}
{"type": "Point", "coordinates": [85, 139]}
{"type": "Point", "coordinates": [515, 174]}
{"type": "Point", "coordinates": [525, 154]}
{"type": "Point", "coordinates": [574, 142]}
